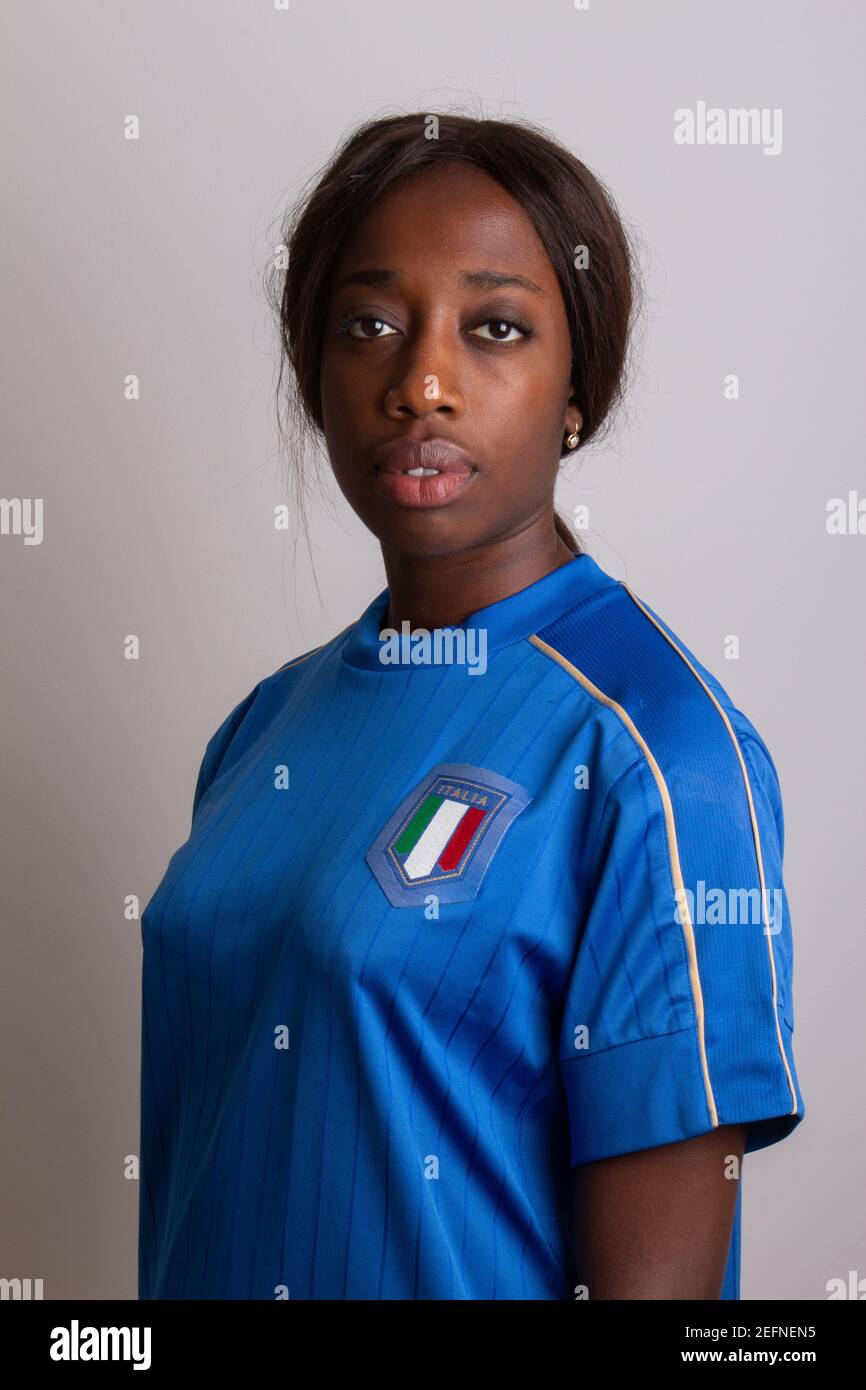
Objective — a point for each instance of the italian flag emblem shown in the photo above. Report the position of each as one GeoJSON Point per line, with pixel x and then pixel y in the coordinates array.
{"type": "Point", "coordinates": [444, 834]}
{"type": "Point", "coordinates": [438, 834]}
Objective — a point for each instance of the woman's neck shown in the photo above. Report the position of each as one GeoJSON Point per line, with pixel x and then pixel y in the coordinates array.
{"type": "Point", "coordinates": [436, 591]}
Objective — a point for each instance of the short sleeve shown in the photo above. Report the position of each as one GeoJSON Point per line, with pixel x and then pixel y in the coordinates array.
{"type": "Point", "coordinates": [218, 746]}
{"type": "Point", "coordinates": [679, 1009]}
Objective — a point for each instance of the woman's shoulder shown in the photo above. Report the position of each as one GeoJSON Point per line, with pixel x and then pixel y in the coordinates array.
{"type": "Point", "coordinates": [275, 684]}
{"type": "Point", "coordinates": [247, 716]}
{"type": "Point", "coordinates": [664, 709]}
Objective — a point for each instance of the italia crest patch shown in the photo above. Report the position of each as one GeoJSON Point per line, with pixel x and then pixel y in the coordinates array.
{"type": "Point", "coordinates": [444, 834]}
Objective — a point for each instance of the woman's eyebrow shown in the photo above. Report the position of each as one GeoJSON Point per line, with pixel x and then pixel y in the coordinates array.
{"type": "Point", "coordinates": [473, 279]}
{"type": "Point", "coordinates": [494, 280]}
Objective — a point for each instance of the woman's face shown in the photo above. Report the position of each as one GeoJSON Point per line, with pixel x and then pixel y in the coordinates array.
{"type": "Point", "coordinates": [446, 322]}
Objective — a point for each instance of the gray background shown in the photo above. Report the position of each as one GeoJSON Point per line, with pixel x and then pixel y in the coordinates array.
{"type": "Point", "coordinates": [147, 257]}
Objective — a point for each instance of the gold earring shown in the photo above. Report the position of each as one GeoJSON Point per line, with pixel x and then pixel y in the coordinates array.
{"type": "Point", "coordinates": [572, 439]}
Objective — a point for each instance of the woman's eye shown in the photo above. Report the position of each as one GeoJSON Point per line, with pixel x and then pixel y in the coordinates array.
{"type": "Point", "coordinates": [359, 321]}
{"type": "Point", "coordinates": [508, 325]}
{"type": "Point", "coordinates": [370, 328]}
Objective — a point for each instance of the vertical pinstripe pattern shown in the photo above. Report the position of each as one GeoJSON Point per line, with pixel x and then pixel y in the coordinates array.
{"type": "Point", "coordinates": [346, 1099]}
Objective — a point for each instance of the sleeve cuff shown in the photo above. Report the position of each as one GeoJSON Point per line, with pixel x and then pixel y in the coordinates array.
{"type": "Point", "coordinates": [641, 1094]}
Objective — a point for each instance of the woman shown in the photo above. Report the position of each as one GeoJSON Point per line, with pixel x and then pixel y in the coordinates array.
{"type": "Point", "coordinates": [452, 992]}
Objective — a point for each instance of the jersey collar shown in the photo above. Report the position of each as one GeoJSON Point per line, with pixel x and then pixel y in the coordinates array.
{"type": "Point", "coordinates": [510, 620]}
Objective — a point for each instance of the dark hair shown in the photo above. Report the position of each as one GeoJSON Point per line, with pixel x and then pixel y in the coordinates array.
{"type": "Point", "coordinates": [570, 208]}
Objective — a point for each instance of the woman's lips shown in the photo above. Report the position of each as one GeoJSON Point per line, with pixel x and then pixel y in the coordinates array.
{"type": "Point", "coordinates": [421, 492]}
{"type": "Point", "coordinates": [397, 460]}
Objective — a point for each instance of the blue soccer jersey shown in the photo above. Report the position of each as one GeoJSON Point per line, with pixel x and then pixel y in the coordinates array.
{"type": "Point", "coordinates": [455, 915]}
